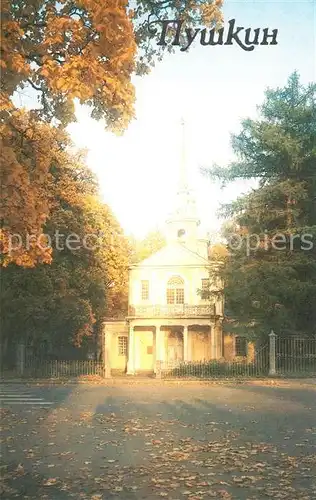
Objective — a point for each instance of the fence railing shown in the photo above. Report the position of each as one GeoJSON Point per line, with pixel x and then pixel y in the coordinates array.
{"type": "Point", "coordinates": [62, 368]}
{"type": "Point", "coordinates": [241, 367]}
{"type": "Point", "coordinates": [295, 355]}
{"type": "Point", "coordinates": [284, 356]}
{"type": "Point", "coordinates": [211, 369]}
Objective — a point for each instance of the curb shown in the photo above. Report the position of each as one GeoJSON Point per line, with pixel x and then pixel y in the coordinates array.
{"type": "Point", "coordinates": [161, 382]}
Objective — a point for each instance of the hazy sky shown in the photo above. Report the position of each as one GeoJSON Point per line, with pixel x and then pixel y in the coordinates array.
{"type": "Point", "coordinates": [213, 88]}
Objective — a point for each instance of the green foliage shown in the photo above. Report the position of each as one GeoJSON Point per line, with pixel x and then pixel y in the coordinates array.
{"type": "Point", "coordinates": [142, 249]}
{"type": "Point", "coordinates": [66, 301]}
{"type": "Point", "coordinates": [270, 280]}
{"type": "Point", "coordinates": [216, 368]}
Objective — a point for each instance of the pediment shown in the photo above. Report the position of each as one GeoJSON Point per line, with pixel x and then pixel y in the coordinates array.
{"type": "Point", "coordinates": [176, 254]}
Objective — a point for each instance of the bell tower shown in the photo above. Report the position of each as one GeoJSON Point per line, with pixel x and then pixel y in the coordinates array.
{"type": "Point", "coordinates": [182, 225]}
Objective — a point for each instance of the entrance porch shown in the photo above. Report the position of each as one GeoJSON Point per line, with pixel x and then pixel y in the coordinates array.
{"type": "Point", "coordinates": [171, 344]}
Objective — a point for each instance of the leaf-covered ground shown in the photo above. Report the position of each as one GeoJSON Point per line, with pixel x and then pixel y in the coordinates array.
{"type": "Point", "coordinates": [147, 441]}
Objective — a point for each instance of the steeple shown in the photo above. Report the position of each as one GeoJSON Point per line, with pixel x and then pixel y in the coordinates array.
{"type": "Point", "coordinates": [183, 223]}
{"type": "Point", "coordinates": [183, 178]}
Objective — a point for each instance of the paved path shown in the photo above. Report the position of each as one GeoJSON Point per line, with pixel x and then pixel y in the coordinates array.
{"type": "Point", "coordinates": [230, 442]}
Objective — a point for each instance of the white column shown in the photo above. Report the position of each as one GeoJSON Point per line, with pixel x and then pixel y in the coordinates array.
{"type": "Point", "coordinates": [131, 352]}
{"type": "Point", "coordinates": [189, 345]}
{"type": "Point", "coordinates": [220, 338]}
{"type": "Point", "coordinates": [159, 351]}
{"type": "Point", "coordinates": [157, 363]}
{"type": "Point", "coordinates": [213, 342]}
{"type": "Point", "coordinates": [185, 344]}
{"type": "Point", "coordinates": [106, 353]}
{"type": "Point", "coordinates": [189, 351]}
{"type": "Point", "coordinates": [157, 343]}
{"type": "Point", "coordinates": [160, 344]}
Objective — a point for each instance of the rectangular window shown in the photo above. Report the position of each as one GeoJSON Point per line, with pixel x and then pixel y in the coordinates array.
{"type": "Point", "coordinates": [122, 346]}
{"type": "Point", "coordinates": [149, 349]}
{"type": "Point", "coordinates": [179, 296]}
{"type": "Point", "coordinates": [145, 290]}
{"type": "Point", "coordinates": [170, 296]}
{"type": "Point", "coordinates": [240, 346]}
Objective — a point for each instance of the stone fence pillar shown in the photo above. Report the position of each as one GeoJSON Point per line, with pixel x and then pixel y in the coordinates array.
{"type": "Point", "coordinates": [21, 358]}
{"type": "Point", "coordinates": [272, 353]}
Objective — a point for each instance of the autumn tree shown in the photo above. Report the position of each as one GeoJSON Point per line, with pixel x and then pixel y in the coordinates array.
{"type": "Point", "coordinates": [59, 51]}
{"type": "Point", "coordinates": [270, 273]}
{"type": "Point", "coordinates": [86, 49]}
{"type": "Point", "coordinates": [140, 249]}
{"type": "Point", "coordinates": [66, 302]}
{"type": "Point", "coordinates": [28, 150]}
{"type": "Point", "coordinates": [217, 252]}
{"type": "Point", "coordinates": [62, 50]}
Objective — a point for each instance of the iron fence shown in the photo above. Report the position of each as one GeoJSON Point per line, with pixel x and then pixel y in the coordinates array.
{"type": "Point", "coordinates": [243, 367]}
{"type": "Point", "coordinates": [296, 355]}
{"type": "Point", "coordinates": [281, 356]}
{"type": "Point", "coordinates": [62, 368]}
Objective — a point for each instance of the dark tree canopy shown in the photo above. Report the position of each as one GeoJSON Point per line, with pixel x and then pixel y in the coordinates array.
{"type": "Point", "coordinates": [270, 274]}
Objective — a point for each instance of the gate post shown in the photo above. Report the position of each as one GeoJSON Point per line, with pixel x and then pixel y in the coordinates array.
{"type": "Point", "coordinates": [21, 358]}
{"type": "Point", "coordinates": [272, 353]}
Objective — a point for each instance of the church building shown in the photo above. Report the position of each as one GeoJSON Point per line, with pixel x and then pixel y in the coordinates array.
{"type": "Point", "coordinates": [169, 322]}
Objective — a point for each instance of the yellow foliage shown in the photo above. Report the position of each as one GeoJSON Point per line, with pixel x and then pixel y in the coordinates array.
{"type": "Point", "coordinates": [211, 13]}
{"type": "Point", "coordinates": [83, 49]}
{"type": "Point", "coordinates": [218, 252]}
{"type": "Point", "coordinates": [28, 148]}
{"type": "Point", "coordinates": [73, 51]}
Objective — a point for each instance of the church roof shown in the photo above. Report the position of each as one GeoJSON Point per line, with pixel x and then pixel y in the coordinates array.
{"type": "Point", "coordinates": [174, 254]}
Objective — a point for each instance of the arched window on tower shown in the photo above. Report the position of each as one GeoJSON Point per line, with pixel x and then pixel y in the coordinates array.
{"type": "Point", "coordinates": [181, 233]}
{"type": "Point", "coordinates": [175, 290]}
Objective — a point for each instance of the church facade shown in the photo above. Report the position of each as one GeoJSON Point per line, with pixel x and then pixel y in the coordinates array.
{"type": "Point", "coordinates": [169, 321]}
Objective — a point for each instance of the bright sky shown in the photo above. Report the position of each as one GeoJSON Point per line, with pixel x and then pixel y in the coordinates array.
{"type": "Point", "coordinates": [213, 88]}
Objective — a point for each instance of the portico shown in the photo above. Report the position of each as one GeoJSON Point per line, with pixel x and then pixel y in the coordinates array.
{"type": "Point", "coordinates": [170, 342]}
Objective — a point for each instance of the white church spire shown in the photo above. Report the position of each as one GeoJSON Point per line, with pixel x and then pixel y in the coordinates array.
{"type": "Point", "coordinates": [183, 180]}
{"type": "Point", "coordinates": [183, 222]}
